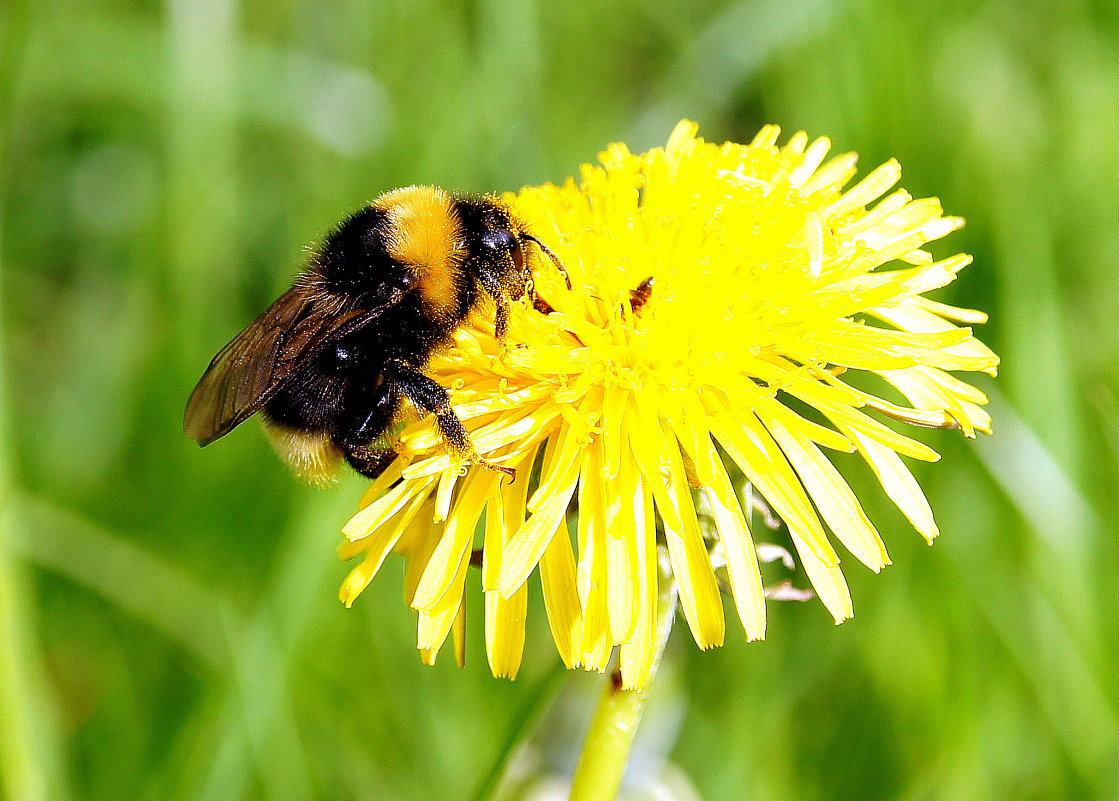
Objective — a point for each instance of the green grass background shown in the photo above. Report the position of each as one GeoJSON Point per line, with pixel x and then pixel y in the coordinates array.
{"type": "Point", "coordinates": [168, 619]}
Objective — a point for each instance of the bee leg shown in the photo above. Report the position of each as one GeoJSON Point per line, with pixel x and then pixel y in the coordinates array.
{"type": "Point", "coordinates": [496, 290]}
{"type": "Point", "coordinates": [501, 319]}
{"type": "Point", "coordinates": [432, 398]}
{"type": "Point", "coordinates": [373, 421]}
{"type": "Point", "coordinates": [370, 462]}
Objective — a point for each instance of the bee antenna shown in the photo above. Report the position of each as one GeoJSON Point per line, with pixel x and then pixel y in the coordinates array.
{"type": "Point", "coordinates": [555, 259]}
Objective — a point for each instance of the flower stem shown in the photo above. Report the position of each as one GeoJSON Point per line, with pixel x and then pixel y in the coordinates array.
{"type": "Point", "coordinates": [610, 738]}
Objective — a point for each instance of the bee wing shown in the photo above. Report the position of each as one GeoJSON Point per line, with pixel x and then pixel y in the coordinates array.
{"type": "Point", "coordinates": [248, 371]}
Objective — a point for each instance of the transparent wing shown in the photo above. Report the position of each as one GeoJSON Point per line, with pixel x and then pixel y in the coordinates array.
{"type": "Point", "coordinates": [248, 371]}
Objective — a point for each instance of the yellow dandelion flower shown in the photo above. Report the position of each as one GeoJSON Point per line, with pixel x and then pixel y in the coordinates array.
{"type": "Point", "coordinates": [773, 291]}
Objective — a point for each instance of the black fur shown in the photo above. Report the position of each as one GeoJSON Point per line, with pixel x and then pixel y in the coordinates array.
{"type": "Point", "coordinates": [353, 389]}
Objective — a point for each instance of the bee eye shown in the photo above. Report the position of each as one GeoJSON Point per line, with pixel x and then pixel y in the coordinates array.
{"type": "Point", "coordinates": [499, 240]}
{"type": "Point", "coordinates": [502, 241]}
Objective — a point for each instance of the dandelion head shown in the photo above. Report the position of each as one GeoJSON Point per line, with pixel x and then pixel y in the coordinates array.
{"type": "Point", "coordinates": [736, 313]}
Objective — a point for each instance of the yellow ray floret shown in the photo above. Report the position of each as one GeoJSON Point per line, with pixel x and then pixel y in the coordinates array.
{"type": "Point", "coordinates": [776, 296]}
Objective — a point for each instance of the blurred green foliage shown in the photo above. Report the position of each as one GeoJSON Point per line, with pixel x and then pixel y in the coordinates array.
{"type": "Point", "coordinates": [168, 622]}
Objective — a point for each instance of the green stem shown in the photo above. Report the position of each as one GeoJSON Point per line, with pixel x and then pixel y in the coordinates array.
{"type": "Point", "coordinates": [610, 738]}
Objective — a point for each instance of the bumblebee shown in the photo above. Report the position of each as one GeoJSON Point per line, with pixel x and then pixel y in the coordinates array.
{"type": "Point", "coordinates": [331, 362]}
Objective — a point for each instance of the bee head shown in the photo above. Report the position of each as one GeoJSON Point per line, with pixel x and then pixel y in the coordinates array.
{"type": "Point", "coordinates": [503, 258]}
{"type": "Point", "coordinates": [503, 262]}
